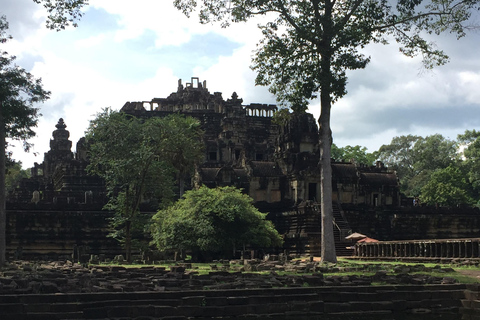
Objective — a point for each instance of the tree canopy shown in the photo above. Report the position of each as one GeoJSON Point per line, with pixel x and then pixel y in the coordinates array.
{"type": "Point", "coordinates": [136, 159]}
{"type": "Point", "coordinates": [470, 141]}
{"type": "Point", "coordinates": [19, 92]}
{"type": "Point", "coordinates": [213, 220]}
{"type": "Point", "coordinates": [62, 13]}
{"type": "Point", "coordinates": [447, 187]}
{"type": "Point", "coordinates": [415, 158]}
{"type": "Point", "coordinates": [308, 46]}
{"type": "Point", "coordinates": [357, 153]}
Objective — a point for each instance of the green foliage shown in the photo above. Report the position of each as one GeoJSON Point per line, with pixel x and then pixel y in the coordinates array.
{"type": "Point", "coordinates": [15, 173]}
{"type": "Point", "coordinates": [447, 187]}
{"type": "Point", "coordinates": [309, 45]}
{"type": "Point", "coordinates": [301, 34]}
{"type": "Point", "coordinates": [357, 153]}
{"type": "Point", "coordinates": [434, 152]}
{"type": "Point", "coordinates": [213, 220]}
{"type": "Point", "coordinates": [62, 13]}
{"type": "Point", "coordinates": [138, 159]}
{"type": "Point", "coordinates": [19, 92]}
{"type": "Point", "coordinates": [415, 159]}
{"type": "Point", "coordinates": [470, 140]}
{"type": "Point", "coordinates": [282, 116]}
{"type": "Point", "coordinates": [184, 148]}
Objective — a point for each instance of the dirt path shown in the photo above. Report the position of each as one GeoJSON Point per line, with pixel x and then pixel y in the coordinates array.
{"type": "Point", "coordinates": [471, 273]}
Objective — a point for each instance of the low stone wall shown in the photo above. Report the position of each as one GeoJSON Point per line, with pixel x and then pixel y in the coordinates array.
{"type": "Point", "coordinates": [42, 232]}
{"type": "Point", "coordinates": [438, 248]}
{"type": "Point", "coordinates": [72, 291]}
{"type": "Point", "coordinates": [280, 303]}
{"type": "Point", "coordinates": [412, 223]}
{"type": "Point", "coordinates": [53, 231]}
{"type": "Point", "coordinates": [471, 302]}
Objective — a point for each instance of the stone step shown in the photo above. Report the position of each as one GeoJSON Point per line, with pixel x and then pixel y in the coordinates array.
{"type": "Point", "coordinates": [227, 303]}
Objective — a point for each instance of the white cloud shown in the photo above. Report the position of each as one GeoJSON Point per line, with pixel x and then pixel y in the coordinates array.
{"type": "Point", "coordinates": [392, 96]}
{"type": "Point", "coordinates": [90, 41]}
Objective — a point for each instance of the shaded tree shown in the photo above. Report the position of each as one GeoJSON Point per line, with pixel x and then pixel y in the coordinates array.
{"type": "Point", "coordinates": [308, 45]}
{"type": "Point", "coordinates": [19, 92]}
{"type": "Point", "coordinates": [415, 158]}
{"type": "Point", "coordinates": [14, 174]}
{"type": "Point", "coordinates": [434, 152]}
{"type": "Point", "coordinates": [134, 157]}
{"type": "Point", "coordinates": [184, 148]}
{"type": "Point", "coordinates": [357, 154]}
{"type": "Point", "coordinates": [447, 187]}
{"type": "Point", "coordinates": [399, 155]}
{"type": "Point", "coordinates": [470, 141]}
{"type": "Point", "coordinates": [213, 220]}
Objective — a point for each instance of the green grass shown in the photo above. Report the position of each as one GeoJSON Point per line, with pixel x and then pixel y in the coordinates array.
{"type": "Point", "coordinates": [358, 268]}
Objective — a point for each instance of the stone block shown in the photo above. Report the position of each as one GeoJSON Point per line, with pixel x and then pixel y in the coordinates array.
{"type": "Point", "coordinates": [165, 311]}
{"type": "Point", "coordinates": [216, 301]}
{"type": "Point", "coordinates": [235, 310]}
{"type": "Point", "coordinates": [273, 308]}
{"type": "Point", "coordinates": [296, 315]}
{"type": "Point", "coordinates": [194, 301]}
{"type": "Point", "coordinates": [475, 304]}
{"type": "Point", "coordinates": [371, 305]}
{"type": "Point", "coordinates": [335, 307]}
{"type": "Point", "coordinates": [473, 287]}
{"type": "Point", "coordinates": [213, 312]}
{"type": "Point", "coordinates": [399, 305]}
{"type": "Point", "coordinates": [413, 304]}
{"type": "Point", "coordinates": [145, 311]}
{"type": "Point", "coordinates": [299, 306]}
{"type": "Point", "coordinates": [37, 308]}
{"type": "Point", "coordinates": [95, 313]}
{"type": "Point", "coordinates": [65, 307]}
{"type": "Point", "coordinates": [237, 300]}
{"type": "Point", "coordinates": [466, 303]}
{"type": "Point", "coordinates": [316, 306]}
{"type": "Point", "coordinates": [190, 311]}
{"type": "Point", "coordinates": [472, 295]}
{"type": "Point", "coordinates": [12, 308]}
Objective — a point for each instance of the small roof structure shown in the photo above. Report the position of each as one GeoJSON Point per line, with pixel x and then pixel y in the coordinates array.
{"type": "Point", "coordinates": [367, 239]}
{"type": "Point", "coordinates": [355, 236]}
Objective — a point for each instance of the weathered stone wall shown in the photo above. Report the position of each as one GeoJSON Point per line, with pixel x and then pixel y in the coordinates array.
{"type": "Point", "coordinates": [45, 231]}
{"type": "Point", "coordinates": [55, 233]}
{"type": "Point", "coordinates": [414, 223]}
{"type": "Point", "coordinates": [359, 302]}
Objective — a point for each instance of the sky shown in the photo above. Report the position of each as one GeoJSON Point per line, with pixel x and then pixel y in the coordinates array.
{"type": "Point", "coordinates": [127, 50]}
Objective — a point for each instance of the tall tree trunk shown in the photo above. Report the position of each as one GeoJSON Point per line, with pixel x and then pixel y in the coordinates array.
{"type": "Point", "coordinates": [128, 241]}
{"type": "Point", "coordinates": [3, 211]}
{"type": "Point", "coordinates": [326, 79]}
{"type": "Point", "coordinates": [328, 253]}
{"type": "Point", "coordinates": [181, 184]}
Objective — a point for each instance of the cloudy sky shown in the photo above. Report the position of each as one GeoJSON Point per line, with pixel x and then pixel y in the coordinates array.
{"type": "Point", "coordinates": [134, 52]}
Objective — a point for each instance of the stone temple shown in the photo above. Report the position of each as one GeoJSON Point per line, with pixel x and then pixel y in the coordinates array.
{"type": "Point", "coordinates": [60, 207]}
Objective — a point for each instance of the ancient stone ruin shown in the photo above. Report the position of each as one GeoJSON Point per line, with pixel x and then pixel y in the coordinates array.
{"type": "Point", "coordinates": [59, 209]}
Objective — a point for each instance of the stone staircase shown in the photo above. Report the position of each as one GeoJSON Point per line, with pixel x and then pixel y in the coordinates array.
{"type": "Point", "coordinates": [303, 231]}
{"type": "Point", "coordinates": [341, 229]}
{"type": "Point", "coordinates": [355, 302]}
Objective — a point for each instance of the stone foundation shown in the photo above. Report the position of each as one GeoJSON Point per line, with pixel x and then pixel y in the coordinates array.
{"type": "Point", "coordinates": [281, 303]}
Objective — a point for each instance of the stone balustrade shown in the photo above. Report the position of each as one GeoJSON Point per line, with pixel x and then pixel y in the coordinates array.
{"type": "Point", "coordinates": [439, 248]}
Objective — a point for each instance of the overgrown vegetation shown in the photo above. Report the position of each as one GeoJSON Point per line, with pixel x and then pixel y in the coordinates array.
{"type": "Point", "coordinates": [213, 221]}
{"type": "Point", "coordinates": [343, 268]}
{"type": "Point", "coordinates": [437, 170]}
{"type": "Point", "coordinates": [138, 159]}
